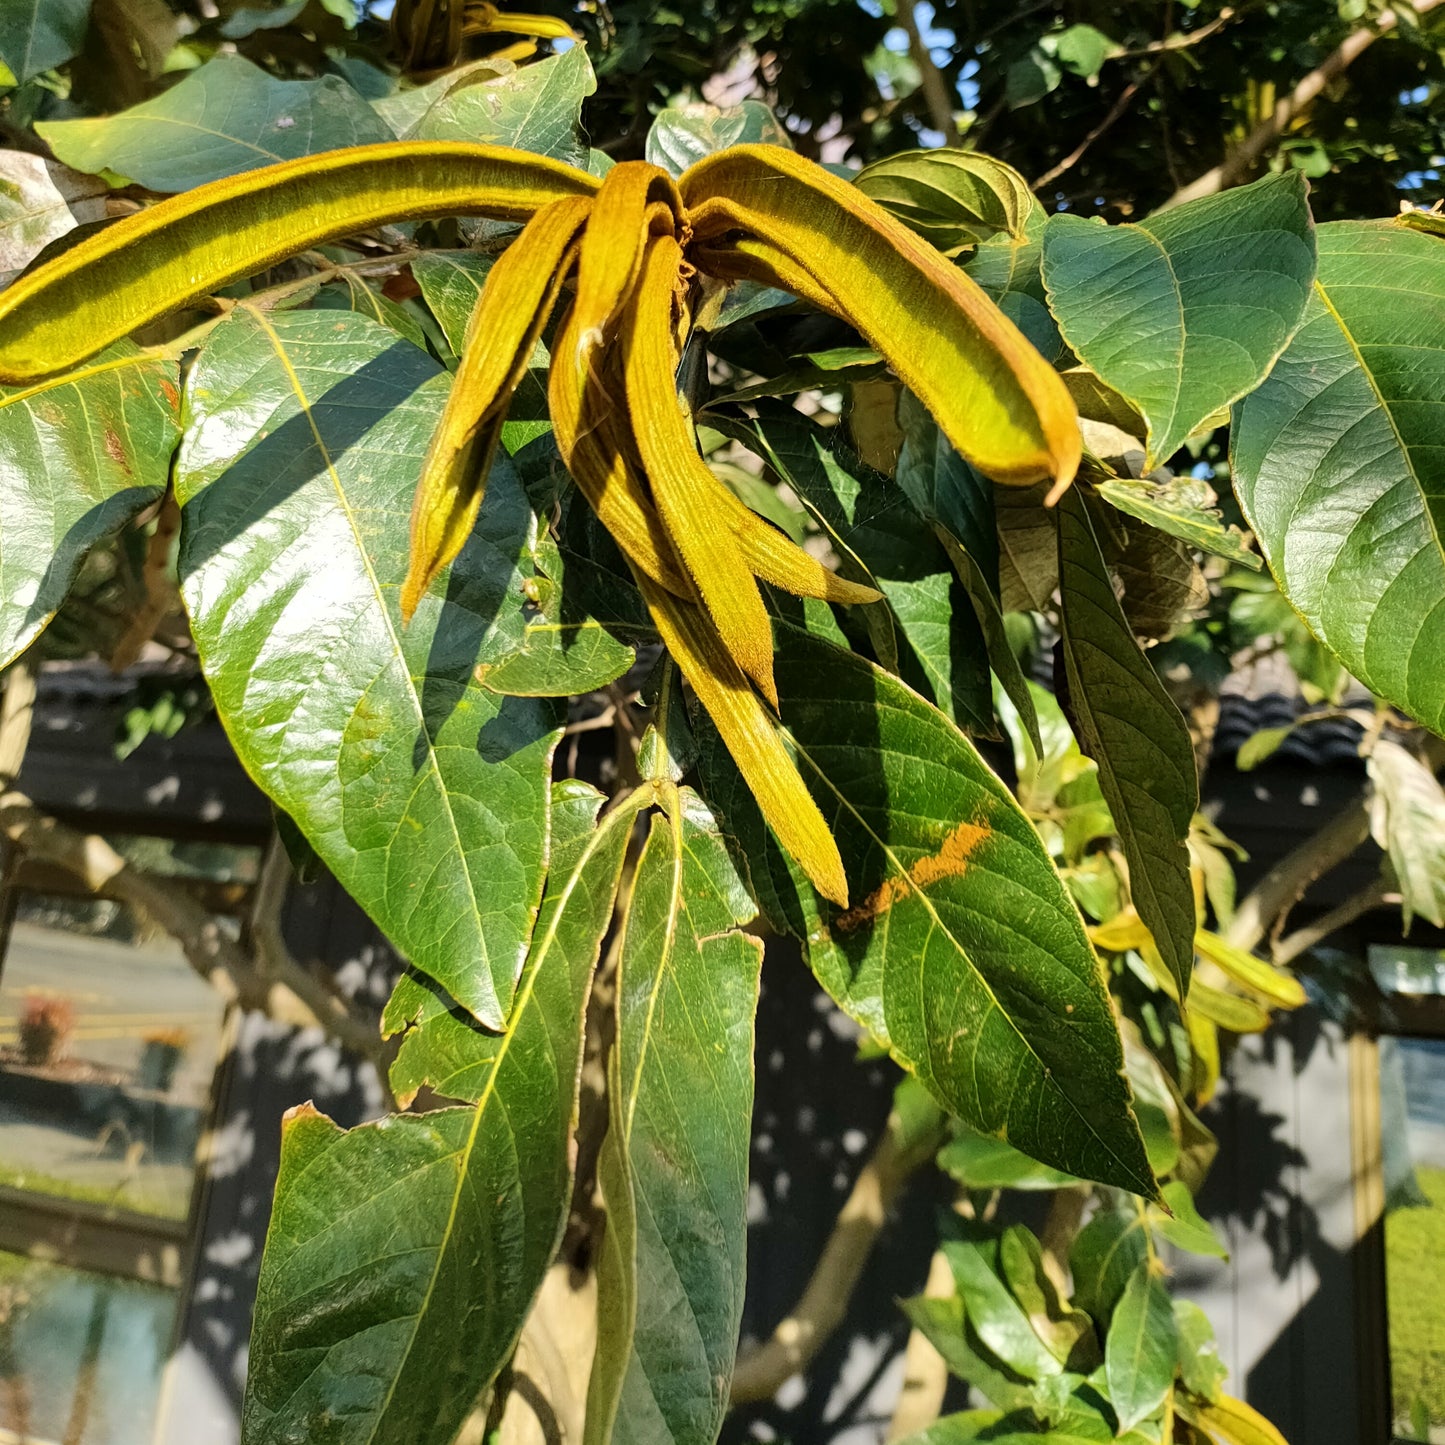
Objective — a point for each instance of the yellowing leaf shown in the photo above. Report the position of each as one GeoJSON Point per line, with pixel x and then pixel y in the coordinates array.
{"type": "Point", "coordinates": [996, 399]}
{"type": "Point", "coordinates": [635, 198]}
{"type": "Point", "coordinates": [515, 303]}
{"type": "Point", "coordinates": [148, 264]}
{"type": "Point", "coordinates": [683, 487]}
{"type": "Point", "coordinates": [589, 440]}
{"type": "Point", "coordinates": [1231, 1422]}
{"type": "Point", "coordinates": [751, 737]}
{"type": "Point", "coordinates": [1272, 985]}
{"type": "Point", "coordinates": [1227, 1010]}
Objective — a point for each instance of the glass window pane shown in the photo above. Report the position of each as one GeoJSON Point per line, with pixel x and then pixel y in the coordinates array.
{"type": "Point", "coordinates": [81, 1354]}
{"type": "Point", "coordinates": [108, 1044]}
{"type": "Point", "coordinates": [1400, 969]}
{"type": "Point", "coordinates": [1412, 1120]}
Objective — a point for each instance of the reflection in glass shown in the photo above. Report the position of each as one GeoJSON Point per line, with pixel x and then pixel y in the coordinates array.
{"type": "Point", "coordinates": [1401, 969]}
{"type": "Point", "coordinates": [1412, 1109]}
{"type": "Point", "coordinates": [108, 1042]}
{"type": "Point", "coordinates": [81, 1354]}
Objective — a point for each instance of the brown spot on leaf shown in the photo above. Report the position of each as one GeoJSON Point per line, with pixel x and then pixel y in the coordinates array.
{"type": "Point", "coordinates": [949, 862]}
{"type": "Point", "coordinates": [115, 451]}
{"type": "Point", "coordinates": [171, 394]}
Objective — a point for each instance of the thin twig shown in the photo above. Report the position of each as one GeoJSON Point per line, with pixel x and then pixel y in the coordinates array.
{"type": "Point", "coordinates": [1182, 41]}
{"type": "Point", "coordinates": [931, 82]}
{"type": "Point", "coordinates": [1239, 161]}
{"type": "Point", "coordinates": [1116, 110]}
{"type": "Point", "coordinates": [1373, 895]}
{"type": "Point", "coordinates": [17, 711]}
{"type": "Point", "coordinates": [1278, 891]}
{"type": "Point", "coordinates": [160, 591]}
{"type": "Point", "coordinates": [796, 1341]}
{"type": "Point", "coordinates": [925, 1375]}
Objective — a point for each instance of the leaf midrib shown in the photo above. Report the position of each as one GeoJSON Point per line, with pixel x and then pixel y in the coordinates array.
{"type": "Point", "coordinates": [463, 1155]}
{"type": "Point", "coordinates": [434, 763]}
{"type": "Point", "coordinates": [948, 933]}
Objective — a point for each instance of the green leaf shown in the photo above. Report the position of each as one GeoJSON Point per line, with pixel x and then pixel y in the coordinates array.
{"type": "Point", "coordinates": [1083, 50]}
{"type": "Point", "coordinates": [999, 1320]}
{"type": "Point", "coordinates": [1184, 508]}
{"type": "Point", "coordinates": [38, 35]}
{"type": "Point", "coordinates": [1260, 745]}
{"type": "Point", "coordinates": [1129, 725]}
{"type": "Point", "coordinates": [978, 1162]}
{"type": "Point", "coordinates": [1200, 1367]}
{"type": "Point", "coordinates": [425, 793]}
{"type": "Point", "coordinates": [227, 117]}
{"type": "Point", "coordinates": [947, 1328]}
{"type": "Point", "coordinates": [1028, 562]}
{"type": "Point", "coordinates": [1067, 1333]}
{"type": "Point", "coordinates": [1188, 1229]}
{"type": "Point", "coordinates": [674, 1164]}
{"type": "Point", "coordinates": [40, 201]}
{"type": "Point", "coordinates": [683, 134]}
{"type": "Point", "coordinates": [943, 652]}
{"type": "Point", "coordinates": [79, 456]}
{"type": "Point", "coordinates": [1142, 1348]}
{"type": "Point", "coordinates": [1104, 1256]}
{"type": "Point", "coordinates": [1217, 286]}
{"type": "Point", "coordinates": [1080, 1425]}
{"type": "Point", "coordinates": [1007, 264]}
{"type": "Point", "coordinates": [1407, 818]}
{"type": "Point", "coordinates": [963, 951]}
{"type": "Point", "coordinates": [403, 1256]}
{"type": "Point", "coordinates": [451, 283]}
{"type": "Point", "coordinates": [1339, 467]}
{"type": "Point", "coordinates": [536, 107]}
{"type": "Point", "coordinates": [952, 198]}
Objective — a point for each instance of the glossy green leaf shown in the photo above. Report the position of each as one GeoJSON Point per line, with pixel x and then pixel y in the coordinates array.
{"type": "Point", "coordinates": [942, 650]}
{"type": "Point", "coordinates": [1339, 466]}
{"type": "Point", "coordinates": [1067, 1333]}
{"type": "Point", "coordinates": [40, 201]}
{"type": "Point", "coordinates": [1142, 1349]}
{"type": "Point", "coordinates": [674, 1164]}
{"type": "Point", "coordinates": [425, 793]}
{"type": "Point", "coordinates": [37, 35]}
{"type": "Point", "coordinates": [681, 135]}
{"type": "Point", "coordinates": [1104, 1255]}
{"type": "Point", "coordinates": [1200, 1367]}
{"type": "Point", "coordinates": [79, 456]}
{"type": "Point", "coordinates": [1186, 311]}
{"type": "Point", "coordinates": [946, 1326]}
{"type": "Point", "coordinates": [451, 282]}
{"type": "Point", "coordinates": [995, 1314]}
{"type": "Point", "coordinates": [979, 1162]}
{"type": "Point", "coordinates": [227, 117]}
{"type": "Point", "coordinates": [962, 950]}
{"type": "Point", "coordinates": [535, 107]}
{"type": "Point", "coordinates": [1129, 725]}
{"type": "Point", "coordinates": [1407, 818]}
{"type": "Point", "coordinates": [403, 1256]}
{"type": "Point", "coordinates": [1187, 1229]}
{"type": "Point", "coordinates": [952, 198]}
{"type": "Point", "coordinates": [1184, 508]}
